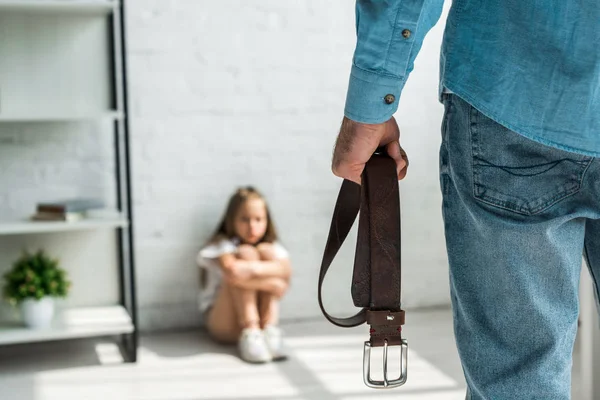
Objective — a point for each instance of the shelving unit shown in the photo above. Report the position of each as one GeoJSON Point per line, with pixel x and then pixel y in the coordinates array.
{"type": "Point", "coordinates": [25, 227]}
{"type": "Point", "coordinates": [109, 115]}
{"type": "Point", "coordinates": [60, 6]}
{"type": "Point", "coordinates": [23, 84]}
{"type": "Point", "coordinates": [73, 324]}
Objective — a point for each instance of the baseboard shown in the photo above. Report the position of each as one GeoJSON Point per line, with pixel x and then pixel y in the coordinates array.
{"type": "Point", "coordinates": [167, 317]}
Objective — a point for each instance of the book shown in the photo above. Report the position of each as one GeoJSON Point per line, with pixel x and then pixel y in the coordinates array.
{"type": "Point", "coordinates": [70, 205]}
{"type": "Point", "coordinates": [54, 216]}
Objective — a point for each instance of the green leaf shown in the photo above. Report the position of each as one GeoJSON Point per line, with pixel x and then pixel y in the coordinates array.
{"type": "Point", "coordinates": [34, 275]}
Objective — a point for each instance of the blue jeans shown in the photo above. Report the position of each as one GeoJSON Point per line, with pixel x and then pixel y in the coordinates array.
{"type": "Point", "coordinates": [518, 217]}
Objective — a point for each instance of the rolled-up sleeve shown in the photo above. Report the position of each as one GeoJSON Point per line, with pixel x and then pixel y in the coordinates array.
{"type": "Point", "coordinates": [390, 34]}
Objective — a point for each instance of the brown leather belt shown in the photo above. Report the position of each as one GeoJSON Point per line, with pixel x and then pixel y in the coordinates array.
{"type": "Point", "coordinates": [377, 268]}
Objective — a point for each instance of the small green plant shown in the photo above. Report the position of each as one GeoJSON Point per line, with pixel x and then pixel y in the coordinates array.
{"type": "Point", "coordinates": [34, 276]}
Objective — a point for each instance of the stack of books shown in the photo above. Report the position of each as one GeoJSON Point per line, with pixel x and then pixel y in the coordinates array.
{"type": "Point", "coordinates": [68, 210]}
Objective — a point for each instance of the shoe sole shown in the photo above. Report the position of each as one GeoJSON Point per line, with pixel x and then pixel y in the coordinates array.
{"type": "Point", "coordinates": [256, 362]}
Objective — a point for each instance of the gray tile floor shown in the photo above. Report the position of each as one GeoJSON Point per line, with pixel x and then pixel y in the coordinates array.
{"type": "Point", "coordinates": [325, 364]}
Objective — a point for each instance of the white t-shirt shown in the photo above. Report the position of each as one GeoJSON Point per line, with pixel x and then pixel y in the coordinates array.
{"type": "Point", "coordinates": [208, 260]}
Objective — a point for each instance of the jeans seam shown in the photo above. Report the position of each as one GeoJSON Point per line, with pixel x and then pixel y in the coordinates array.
{"type": "Point", "coordinates": [585, 171]}
{"type": "Point", "coordinates": [503, 204]}
{"type": "Point", "coordinates": [473, 144]}
{"type": "Point", "coordinates": [444, 175]}
{"type": "Point", "coordinates": [591, 270]}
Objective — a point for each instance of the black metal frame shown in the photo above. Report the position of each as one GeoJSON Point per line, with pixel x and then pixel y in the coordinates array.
{"type": "Point", "coordinates": [124, 235]}
{"type": "Point", "coordinates": [125, 243]}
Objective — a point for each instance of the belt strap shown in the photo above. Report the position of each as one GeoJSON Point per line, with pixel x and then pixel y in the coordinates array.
{"type": "Point", "coordinates": [377, 269]}
{"type": "Point", "coordinates": [376, 285]}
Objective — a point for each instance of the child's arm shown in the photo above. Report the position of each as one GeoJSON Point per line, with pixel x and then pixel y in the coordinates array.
{"type": "Point", "coordinates": [274, 262]}
{"type": "Point", "coordinates": [280, 268]}
{"type": "Point", "coordinates": [266, 266]}
{"type": "Point", "coordinates": [275, 286]}
{"type": "Point", "coordinates": [246, 274]}
{"type": "Point", "coordinates": [233, 266]}
{"type": "Point", "coordinates": [255, 269]}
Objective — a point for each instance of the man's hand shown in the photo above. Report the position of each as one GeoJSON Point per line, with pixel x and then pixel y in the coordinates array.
{"type": "Point", "coordinates": [357, 142]}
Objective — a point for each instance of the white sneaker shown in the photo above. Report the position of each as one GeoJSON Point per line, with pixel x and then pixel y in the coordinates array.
{"type": "Point", "coordinates": [274, 339]}
{"type": "Point", "coordinates": [253, 347]}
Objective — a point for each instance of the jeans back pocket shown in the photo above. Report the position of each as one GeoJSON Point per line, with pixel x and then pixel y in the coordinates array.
{"type": "Point", "coordinates": [519, 174]}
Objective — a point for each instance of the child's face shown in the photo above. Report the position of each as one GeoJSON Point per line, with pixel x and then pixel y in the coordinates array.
{"type": "Point", "coordinates": [251, 221]}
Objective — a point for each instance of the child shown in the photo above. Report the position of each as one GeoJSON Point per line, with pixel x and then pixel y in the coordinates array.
{"type": "Point", "coordinates": [244, 273]}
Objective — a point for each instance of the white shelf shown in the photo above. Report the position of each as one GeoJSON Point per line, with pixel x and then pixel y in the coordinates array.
{"type": "Point", "coordinates": [72, 6]}
{"type": "Point", "coordinates": [20, 227]}
{"type": "Point", "coordinates": [113, 115]}
{"type": "Point", "coordinates": [72, 323]}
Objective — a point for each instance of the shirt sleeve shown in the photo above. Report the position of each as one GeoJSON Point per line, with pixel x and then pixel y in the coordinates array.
{"type": "Point", "coordinates": [390, 34]}
{"type": "Point", "coordinates": [280, 251]}
{"type": "Point", "coordinates": [215, 250]}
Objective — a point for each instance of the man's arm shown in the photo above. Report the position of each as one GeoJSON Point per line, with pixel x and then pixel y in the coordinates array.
{"type": "Point", "coordinates": [390, 34]}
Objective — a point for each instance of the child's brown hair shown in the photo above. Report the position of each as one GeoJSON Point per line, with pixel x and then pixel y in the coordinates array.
{"type": "Point", "coordinates": [226, 228]}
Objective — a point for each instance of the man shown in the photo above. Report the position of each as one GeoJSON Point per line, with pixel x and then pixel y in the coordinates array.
{"type": "Point", "coordinates": [520, 82]}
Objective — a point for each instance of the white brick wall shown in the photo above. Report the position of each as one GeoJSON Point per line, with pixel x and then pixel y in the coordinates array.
{"type": "Point", "coordinates": [251, 92]}
{"type": "Point", "coordinates": [229, 93]}
{"type": "Point", "coordinates": [44, 161]}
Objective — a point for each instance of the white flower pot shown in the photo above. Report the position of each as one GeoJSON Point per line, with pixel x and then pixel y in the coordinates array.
{"type": "Point", "coordinates": [38, 314]}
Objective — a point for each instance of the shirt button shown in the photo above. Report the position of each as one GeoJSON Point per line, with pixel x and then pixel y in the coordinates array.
{"type": "Point", "coordinates": [389, 98]}
{"type": "Point", "coordinates": [406, 33]}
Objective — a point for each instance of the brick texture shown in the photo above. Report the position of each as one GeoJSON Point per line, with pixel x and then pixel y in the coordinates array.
{"type": "Point", "coordinates": [229, 93]}
{"type": "Point", "coordinates": [251, 92]}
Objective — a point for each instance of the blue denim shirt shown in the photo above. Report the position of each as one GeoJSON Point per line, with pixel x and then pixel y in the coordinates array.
{"type": "Point", "coordinates": [532, 66]}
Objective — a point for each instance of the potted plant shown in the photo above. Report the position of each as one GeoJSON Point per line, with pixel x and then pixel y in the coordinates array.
{"type": "Point", "coordinates": [33, 282]}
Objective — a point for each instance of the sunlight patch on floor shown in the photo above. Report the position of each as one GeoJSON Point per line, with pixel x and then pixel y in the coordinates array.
{"type": "Point", "coordinates": [337, 363]}
{"type": "Point", "coordinates": [327, 365]}
{"type": "Point", "coordinates": [201, 376]}
{"type": "Point", "coordinates": [435, 395]}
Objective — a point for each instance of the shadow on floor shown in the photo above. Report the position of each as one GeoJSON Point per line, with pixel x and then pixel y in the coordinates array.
{"type": "Point", "coordinates": [325, 364]}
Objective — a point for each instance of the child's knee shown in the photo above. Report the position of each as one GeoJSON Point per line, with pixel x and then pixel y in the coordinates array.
{"type": "Point", "coordinates": [266, 251]}
{"type": "Point", "coordinates": [279, 287]}
{"type": "Point", "coordinates": [248, 252]}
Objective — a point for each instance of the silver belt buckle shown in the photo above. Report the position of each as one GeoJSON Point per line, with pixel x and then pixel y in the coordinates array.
{"type": "Point", "coordinates": [385, 383]}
